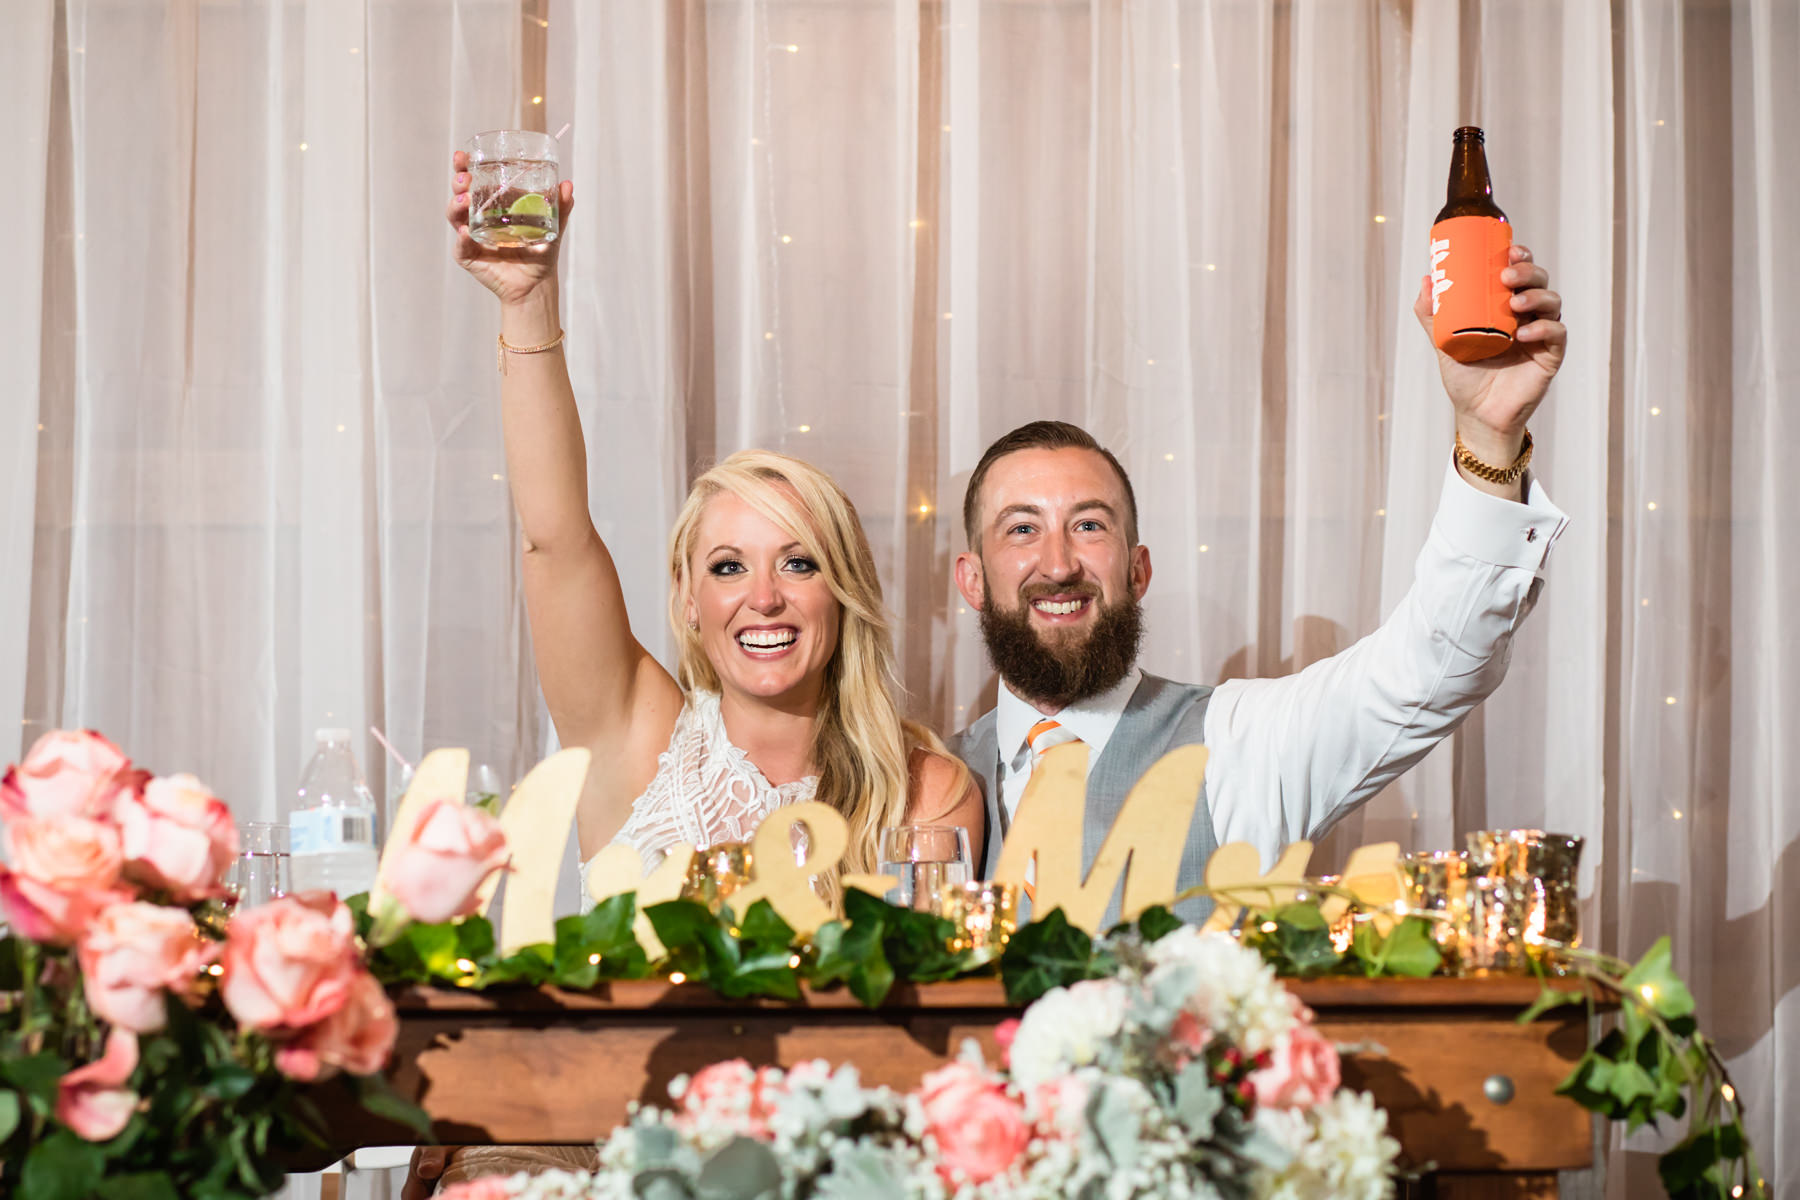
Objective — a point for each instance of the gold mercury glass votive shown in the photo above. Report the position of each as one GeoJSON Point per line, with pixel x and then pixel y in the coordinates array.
{"type": "Point", "coordinates": [1491, 916]}
{"type": "Point", "coordinates": [985, 915]}
{"type": "Point", "coordinates": [1544, 865]}
{"type": "Point", "coordinates": [716, 872]}
{"type": "Point", "coordinates": [1435, 880]}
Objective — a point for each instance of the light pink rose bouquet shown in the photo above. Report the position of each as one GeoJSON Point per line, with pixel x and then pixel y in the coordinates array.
{"type": "Point", "coordinates": [177, 837]}
{"type": "Point", "coordinates": [1303, 1070]}
{"type": "Point", "coordinates": [357, 1038]}
{"type": "Point", "coordinates": [436, 869]}
{"type": "Point", "coordinates": [979, 1127]}
{"type": "Point", "coordinates": [289, 963]}
{"type": "Point", "coordinates": [64, 871]}
{"type": "Point", "coordinates": [93, 1101]}
{"type": "Point", "coordinates": [68, 773]}
{"type": "Point", "coordinates": [131, 954]}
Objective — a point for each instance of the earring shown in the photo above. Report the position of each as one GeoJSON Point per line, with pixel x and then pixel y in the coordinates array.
{"type": "Point", "coordinates": [694, 625]}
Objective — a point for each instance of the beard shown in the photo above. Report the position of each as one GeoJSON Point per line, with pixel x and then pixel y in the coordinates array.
{"type": "Point", "coordinates": [1061, 674]}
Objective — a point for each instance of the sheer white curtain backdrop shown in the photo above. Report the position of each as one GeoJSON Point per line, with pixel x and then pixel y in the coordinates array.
{"type": "Point", "coordinates": [250, 412]}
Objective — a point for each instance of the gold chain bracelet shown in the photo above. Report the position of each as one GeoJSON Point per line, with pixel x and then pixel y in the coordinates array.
{"type": "Point", "coordinates": [507, 347]}
{"type": "Point", "coordinates": [1474, 466]}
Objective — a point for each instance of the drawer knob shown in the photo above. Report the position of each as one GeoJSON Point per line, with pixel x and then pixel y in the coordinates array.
{"type": "Point", "coordinates": [1498, 1088]}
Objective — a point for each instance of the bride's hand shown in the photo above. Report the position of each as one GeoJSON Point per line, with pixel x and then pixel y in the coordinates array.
{"type": "Point", "coordinates": [511, 272]}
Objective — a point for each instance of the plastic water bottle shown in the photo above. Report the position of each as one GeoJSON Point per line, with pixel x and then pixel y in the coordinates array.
{"type": "Point", "coordinates": [332, 821]}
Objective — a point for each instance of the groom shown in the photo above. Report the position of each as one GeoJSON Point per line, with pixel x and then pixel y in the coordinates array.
{"type": "Point", "coordinates": [1056, 571]}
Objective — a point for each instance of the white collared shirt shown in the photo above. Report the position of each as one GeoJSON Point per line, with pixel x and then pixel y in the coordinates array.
{"type": "Point", "coordinates": [1290, 755]}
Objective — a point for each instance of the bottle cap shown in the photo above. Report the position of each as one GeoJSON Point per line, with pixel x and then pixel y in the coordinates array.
{"type": "Point", "coordinates": [332, 735]}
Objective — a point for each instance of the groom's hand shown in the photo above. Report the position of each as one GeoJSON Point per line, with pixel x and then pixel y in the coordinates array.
{"type": "Point", "coordinates": [1495, 397]}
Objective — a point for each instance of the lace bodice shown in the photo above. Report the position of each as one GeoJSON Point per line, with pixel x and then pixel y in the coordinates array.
{"type": "Point", "coordinates": [706, 790]}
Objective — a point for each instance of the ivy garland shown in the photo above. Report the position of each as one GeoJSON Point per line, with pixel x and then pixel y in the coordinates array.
{"type": "Point", "coordinates": [1647, 1068]}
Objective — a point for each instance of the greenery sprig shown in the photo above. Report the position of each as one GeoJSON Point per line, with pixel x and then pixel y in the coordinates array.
{"type": "Point", "coordinates": [1651, 1064]}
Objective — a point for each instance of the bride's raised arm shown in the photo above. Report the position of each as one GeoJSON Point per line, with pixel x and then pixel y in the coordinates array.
{"type": "Point", "coordinates": [603, 689]}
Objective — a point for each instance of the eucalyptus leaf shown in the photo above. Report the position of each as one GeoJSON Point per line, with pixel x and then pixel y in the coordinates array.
{"type": "Point", "coordinates": [1197, 1100]}
{"type": "Point", "coordinates": [1116, 1124]}
{"type": "Point", "coordinates": [862, 1172]}
{"type": "Point", "coordinates": [741, 1169]}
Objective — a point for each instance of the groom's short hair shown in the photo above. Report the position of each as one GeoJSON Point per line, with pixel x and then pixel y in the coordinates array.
{"type": "Point", "coordinates": [1041, 435]}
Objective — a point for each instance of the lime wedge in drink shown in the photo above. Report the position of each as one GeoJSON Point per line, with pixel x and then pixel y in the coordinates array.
{"type": "Point", "coordinates": [531, 204]}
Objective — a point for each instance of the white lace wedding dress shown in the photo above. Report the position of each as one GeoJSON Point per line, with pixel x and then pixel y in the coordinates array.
{"type": "Point", "coordinates": [706, 790]}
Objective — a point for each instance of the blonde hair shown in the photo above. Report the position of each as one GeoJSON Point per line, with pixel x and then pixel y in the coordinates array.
{"type": "Point", "coordinates": [861, 745]}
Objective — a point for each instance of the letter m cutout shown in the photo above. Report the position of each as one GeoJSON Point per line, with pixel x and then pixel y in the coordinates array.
{"type": "Point", "coordinates": [1145, 843]}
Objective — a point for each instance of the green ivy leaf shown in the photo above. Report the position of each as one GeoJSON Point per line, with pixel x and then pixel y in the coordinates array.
{"type": "Point", "coordinates": [852, 955]}
{"type": "Point", "coordinates": [1049, 953]}
{"type": "Point", "coordinates": [475, 939]}
{"type": "Point", "coordinates": [1408, 950]}
{"type": "Point", "coordinates": [917, 944]}
{"type": "Point", "coordinates": [528, 964]}
{"type": "Point", "coordinates": [1694, 1159]}
{"type": "Point", "coordinates": [1156, 923]}
{"type": "Point", "coordinates": [1547, 999]}
{"type": "Point", "coordinates": [435, 946]}
{"type": "Point", "coordinates": [62, 1167]}
{"type": "Point", "coordinates": [1654, 982]}
{"type": "Point", "coordinates": [10, 1111]}
{"type": "Point", "coordinates": [682, 926]}
{"type": "Point", "coordinates": [763, 927]}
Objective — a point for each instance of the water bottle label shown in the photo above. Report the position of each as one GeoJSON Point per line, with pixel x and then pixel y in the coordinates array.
{"type": "Point", "coordinates": [322, 830]}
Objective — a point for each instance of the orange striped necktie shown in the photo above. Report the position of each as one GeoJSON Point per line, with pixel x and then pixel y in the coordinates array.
{"type": "Point", "coordinates": [1045, 734]}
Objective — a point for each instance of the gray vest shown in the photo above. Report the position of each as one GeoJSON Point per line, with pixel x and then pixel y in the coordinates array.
{"type": "Point", "coordinates": [1160, 716]}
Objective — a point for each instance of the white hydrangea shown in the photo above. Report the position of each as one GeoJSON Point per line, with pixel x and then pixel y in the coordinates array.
{"type": "Point", "coordinates": [1067, 1028]}
{"type": "Point", "coordinates": [1341, 1149]}
{"type": "Point", "coordinates": [1228, 987]}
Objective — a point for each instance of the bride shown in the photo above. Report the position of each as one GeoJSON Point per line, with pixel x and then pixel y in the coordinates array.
{"type": "Point", "coordinates": [784, 683]}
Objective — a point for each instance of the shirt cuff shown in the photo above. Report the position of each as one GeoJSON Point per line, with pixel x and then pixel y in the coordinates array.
{"type": "Point", "coordinates": [1506, 533]}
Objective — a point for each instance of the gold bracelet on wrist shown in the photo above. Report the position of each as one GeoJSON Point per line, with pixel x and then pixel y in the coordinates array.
{"type": "Point", "coordinates": [1474, 466]}
{"type": "Point", "coordinates": [507, 347]}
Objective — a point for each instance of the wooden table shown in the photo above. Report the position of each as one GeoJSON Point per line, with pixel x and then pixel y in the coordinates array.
{"type": "Point", "coordinates": [1468, 1091]}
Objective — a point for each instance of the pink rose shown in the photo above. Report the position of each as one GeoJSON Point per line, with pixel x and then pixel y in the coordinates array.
{"type": "Point", "coordinates": [1303, 1071]}
{"type": "Point", "coordinates": [93, 1101]}
{"type": "Point", "coordinates": [64, 871]}
{"type": "Point", "coordinates": [979, 1129]}
{"type": "Point", "coordinates": [435, 871]}
{"type": "Point", "coordinates": [68, 773]}
{"type": "Point", "coordinates": [730, 1094]}
{"type": "Point", "coordinates": [131, 953]}
{"type": "Point", "coordinates": [356, 1038]}
{"type": "Point", "coordinates": [1004, 1035]}
{"type": "Point", "coordinates": [1189, 1036]}
{"type": "Point", "coordinates": [178, 836]}
{"type": "Point", "coordinates": [289, 963]}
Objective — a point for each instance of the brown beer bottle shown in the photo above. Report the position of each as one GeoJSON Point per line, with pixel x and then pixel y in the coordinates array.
{"type": "Point", "coordinates": [1471, 310]}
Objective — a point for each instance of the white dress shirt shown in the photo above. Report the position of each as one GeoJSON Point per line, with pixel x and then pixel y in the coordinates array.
{"type": "Point", "coordinates": [1290, 755]}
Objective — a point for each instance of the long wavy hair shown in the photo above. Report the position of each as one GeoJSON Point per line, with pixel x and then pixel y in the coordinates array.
{"type": "Point", "coordinates": [861, 744]}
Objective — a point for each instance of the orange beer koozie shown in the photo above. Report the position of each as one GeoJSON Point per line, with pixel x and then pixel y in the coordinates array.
{"type": "Point", "coordinates": [1471, 310]}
